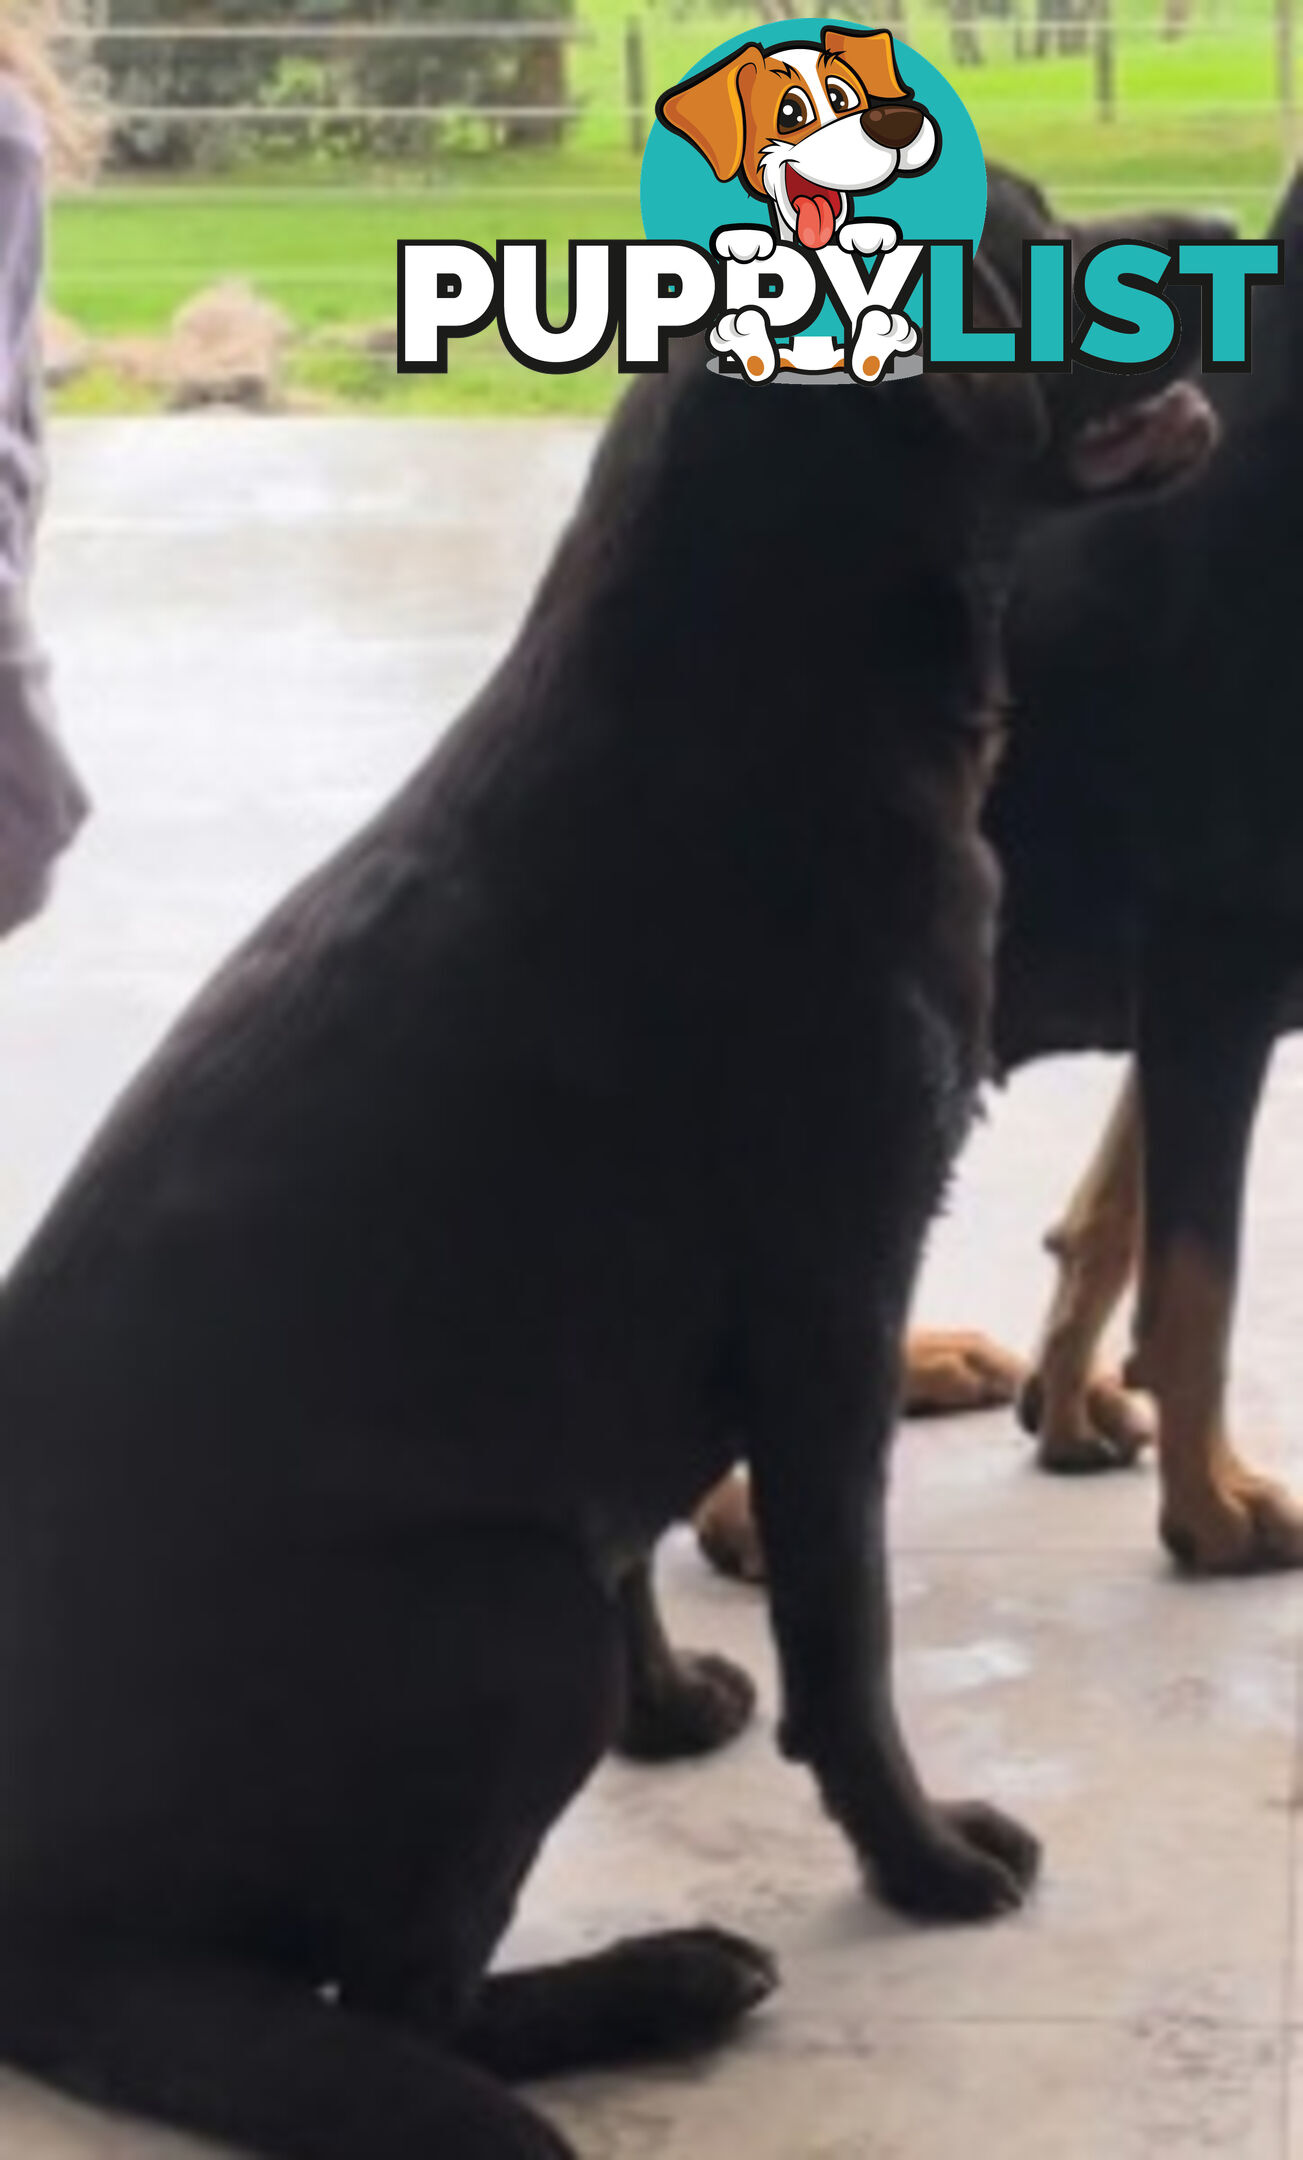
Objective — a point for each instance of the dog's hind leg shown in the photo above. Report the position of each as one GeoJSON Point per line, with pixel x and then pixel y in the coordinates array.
{"type": "Point", "coordinates": [531, 1703]}
{"type": "Point", "coordinates": [1210, 1010]}
{"type": "Point", "coordinates": [250, 2059]}
{"type": "Point", "coordinates": [677, 1702]}
{"type": "Point", "coordinates": [1085, 1419]}
{"type": "Point", "coordinates": [649, 1996]}
{"type": "Point", "coordinates": [441, 1700]}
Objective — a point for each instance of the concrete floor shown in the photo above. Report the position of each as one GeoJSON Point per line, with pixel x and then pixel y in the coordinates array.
{"type": "Point", "coordinates": [259, 627]}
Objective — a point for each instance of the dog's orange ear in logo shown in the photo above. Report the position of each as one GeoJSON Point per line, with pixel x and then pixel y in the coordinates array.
{"type": "Point", "coordinates": [710, 113]}
{"type": "Point", "coordinates": [872, 55]}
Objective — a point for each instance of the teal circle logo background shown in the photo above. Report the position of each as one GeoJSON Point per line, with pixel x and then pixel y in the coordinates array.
{"type": "Point", "coordinates": [681, 199]}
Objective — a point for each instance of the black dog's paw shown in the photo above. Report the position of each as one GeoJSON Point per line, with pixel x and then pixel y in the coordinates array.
{"type": "Point", "coordinates": [998, 1834]}
{"type": "Point", "coordinates": [672, 1993]}
{"type": "Point", "coordinates": [698, 1704]}
{"type": "Point", "coordinates": [648, 1996]}
{"type": "Point", "coordinates": [975, 1864]}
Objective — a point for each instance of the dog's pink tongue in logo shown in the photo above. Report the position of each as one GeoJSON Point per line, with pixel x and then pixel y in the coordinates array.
{"type": "Point", "coordinates": [815, 209]}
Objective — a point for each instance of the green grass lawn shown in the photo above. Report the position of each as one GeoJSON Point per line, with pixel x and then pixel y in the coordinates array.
{"type": "Point", "coordinates": [1196, 122]}
{"type": "Point", "coordinates": [125, 258]}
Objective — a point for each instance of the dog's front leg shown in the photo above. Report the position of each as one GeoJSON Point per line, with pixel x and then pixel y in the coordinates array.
{"type": "Point", "coordinates": [824, 1408]}
{"type": "Point", "coordinates": [1084, 1418]}
{"type": "Point", "coordinates": [1210, 1010]}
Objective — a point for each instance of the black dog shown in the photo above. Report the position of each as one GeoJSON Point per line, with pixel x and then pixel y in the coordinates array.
{"type": "Point", "coordinates": [1064, 950]}
{"type": "Point", "coordinates": [1149, 820]}
{"type": "Point", "coordinates": [578, 1123]}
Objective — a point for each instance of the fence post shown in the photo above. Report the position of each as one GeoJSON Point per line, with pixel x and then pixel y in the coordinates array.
{"type": "Point", "coordinates": [1285, 57]}
{"type": "Point", "coordinates": [1105, 61]}
{"type": "Point", "coordinates": [635, 85]}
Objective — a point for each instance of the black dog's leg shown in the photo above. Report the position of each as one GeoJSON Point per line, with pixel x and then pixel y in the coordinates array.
{"type": "Point", "coordinates": [649, 1996]}
{"type": "Point", "coordinates": [520, 1722]}
{"type": "Point", "coordinates": [825, 1410]}
{"type": "Point", "coordinates": [1210, 1011]}
{"type": "Point", "coordinates": [677, 1702]}
{"type": "Point", "coordinates": [251, 2059]}
{"type": "Point", "coordinates": [458, 1692]}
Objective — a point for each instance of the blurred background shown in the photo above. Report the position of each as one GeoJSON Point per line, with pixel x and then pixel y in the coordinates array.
{"type": "Point", "coordinates": [264, 156]}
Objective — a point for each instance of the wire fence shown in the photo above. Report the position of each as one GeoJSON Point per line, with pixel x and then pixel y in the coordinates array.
{"type": "Point", "coordinates": [287, 154]}
{"type": "Point", "coordinates": [398, 91]}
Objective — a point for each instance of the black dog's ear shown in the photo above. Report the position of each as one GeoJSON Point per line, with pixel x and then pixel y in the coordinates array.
{"type": "Point", "coordinates": [1003, 414]}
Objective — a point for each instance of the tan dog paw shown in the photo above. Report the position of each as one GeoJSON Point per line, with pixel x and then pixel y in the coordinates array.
{"type": "Point", "coordinates": [726, 1530]}
{"type": "Point", "coordinates": [1100, 1424]}
{"type": "Point", "coordinates": [1242, 1524]}
{"type": "Point", "coordinates": [954, 1370]}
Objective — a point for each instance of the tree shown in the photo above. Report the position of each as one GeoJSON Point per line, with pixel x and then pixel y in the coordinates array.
{"type": "Point", "coordinates": [329, 75]}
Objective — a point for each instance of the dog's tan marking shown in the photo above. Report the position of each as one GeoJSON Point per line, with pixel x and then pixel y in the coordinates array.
{"type": "Point", "coordinates": [726, 1529]}
{"type": "Point", "coordinates": [1218, 1516]}
{"type": "Point", "coordinates": [953, 1370]}
{"type": "Point", "coordinates": [1086, 1419]}
{"type": "Point", "coordinates": [755, 365]}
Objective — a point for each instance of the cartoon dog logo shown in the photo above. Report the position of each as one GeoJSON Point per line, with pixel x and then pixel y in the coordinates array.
{"type": "Point", "coordinates": [807, 128]}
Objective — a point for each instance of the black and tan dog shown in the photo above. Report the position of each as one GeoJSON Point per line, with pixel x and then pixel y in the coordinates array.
{"type": "Point", "coordinates": [1059, 816]}
{"type": "Point", "coordinates": [575, 1127]}
{"type": "Point", "coordinates": [1148, 819]}
{"type": "Point", "coordinates": [1182, 824]}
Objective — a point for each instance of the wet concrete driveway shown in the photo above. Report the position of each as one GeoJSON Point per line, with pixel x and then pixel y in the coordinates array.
{"type": "Point", "coordinates": [259, 628]}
